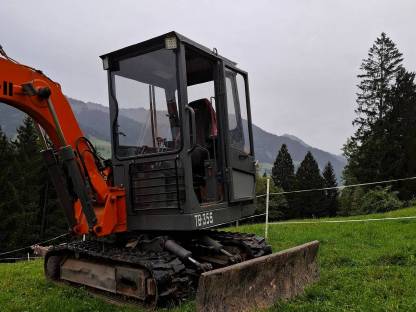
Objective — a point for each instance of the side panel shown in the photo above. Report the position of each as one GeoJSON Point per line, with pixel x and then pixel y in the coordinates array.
{"type": "Point", "coordinates": [157, 186]}
{"type": "Point", "coordinates": [243, 184]}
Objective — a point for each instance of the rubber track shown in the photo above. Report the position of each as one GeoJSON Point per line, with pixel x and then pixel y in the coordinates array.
{"type": "Point", "coordinates": [172, 277]}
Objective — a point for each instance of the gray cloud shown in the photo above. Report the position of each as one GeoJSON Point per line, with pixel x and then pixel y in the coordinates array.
{"type": "Point", "coordinates": [302, 56]}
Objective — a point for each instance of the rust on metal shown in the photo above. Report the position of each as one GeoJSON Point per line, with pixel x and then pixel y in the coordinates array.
{"type": "Point", "coordinates": [131, 282]}
{"type": "Point", "coordinates": [122, 280]}
{"type": "Point", "coordinates": [259, 283]}
{"type": "Point", "coordinates": [91, 274]}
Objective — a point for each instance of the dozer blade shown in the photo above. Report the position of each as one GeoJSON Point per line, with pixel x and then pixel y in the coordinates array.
{"type": "Point", "coordinates": [258, 283]}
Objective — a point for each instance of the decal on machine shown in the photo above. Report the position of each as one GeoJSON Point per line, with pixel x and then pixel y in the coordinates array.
{"type": "Point", "coordinates": [204, 219]}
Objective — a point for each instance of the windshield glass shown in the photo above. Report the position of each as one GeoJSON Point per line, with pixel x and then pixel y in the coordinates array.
{"type": "Point", "coordinates": [145, 87]}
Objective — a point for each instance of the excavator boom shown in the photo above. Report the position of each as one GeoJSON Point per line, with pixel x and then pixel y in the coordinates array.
{"type": "Point", "coordinates": [30, 91]}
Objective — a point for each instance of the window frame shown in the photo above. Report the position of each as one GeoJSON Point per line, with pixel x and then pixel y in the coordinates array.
{"type": "Point", "coordinates": [236, 98]}
{"type": "Point", "coordinates": [114, 122]}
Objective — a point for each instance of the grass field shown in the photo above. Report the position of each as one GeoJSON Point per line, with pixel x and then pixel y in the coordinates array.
{"type": "Point", "coordinates": [367, 266]}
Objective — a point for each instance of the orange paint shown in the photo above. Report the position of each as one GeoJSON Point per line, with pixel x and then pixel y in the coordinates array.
{"type": "Point", "coordinates": [110, 205]}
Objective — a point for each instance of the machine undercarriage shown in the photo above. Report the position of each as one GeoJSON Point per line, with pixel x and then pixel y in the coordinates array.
{"type": "Point", "coordinates": [148, 268]}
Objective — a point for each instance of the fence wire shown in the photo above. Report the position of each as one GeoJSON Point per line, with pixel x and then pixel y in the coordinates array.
{"type": "Point", "coordinates": [341, 187]}
{"type": "Point", "coordinates": [28, 247]}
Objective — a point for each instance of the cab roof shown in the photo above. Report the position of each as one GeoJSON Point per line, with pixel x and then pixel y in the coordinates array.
{"type": "Point", "coordinates": [159, 42]}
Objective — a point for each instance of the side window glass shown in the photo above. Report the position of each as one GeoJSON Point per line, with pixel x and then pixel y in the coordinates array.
{"type": "Point", "coordinates": [148, 120]}
{"type": "Point", "coordinates": [232, 116]}
{"type": "Point", "coordinates": [145, 88]}
{"type": "Point", "coordinates": [238, 131]}
{"type": "Point", "coordinates": [242, 97]}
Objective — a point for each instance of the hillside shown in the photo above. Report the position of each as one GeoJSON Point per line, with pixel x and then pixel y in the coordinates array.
{"type": "Point", "coordinates": [368, 266]}
{"type": "Point", "coordinates": [94, 121]}
{"type": "Point", "coordinates": [266, 146]}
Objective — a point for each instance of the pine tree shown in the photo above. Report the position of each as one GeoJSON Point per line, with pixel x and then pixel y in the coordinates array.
{"type": "Point", "coordinates": [26, 190]}
{"type": "Point", "coordinates": [379, 70]}
{"type": "Point", "coordinates": [5, 157]}
{"type": "Point", "coordinates": [308, 176]}
{"type": "Point", "coordinates": [283, 171]}
{"type": "Point", "coordinates": [367, 150]}
{"type": "Point", "coordinates": [399, 157]}
{"type": "Point", "coordinates": [384, 145]}
{"type": "Point", "coordinates": [283, 175]}
{"type": "Point", "coordinates": [331, 196]}
{"type": "Point", "coordinates": [27, 166]}
{"type": "Point", "coordinates": [5, 153]}
{"type": "Point", "coordinates": [27, 140]}
{"type": "Point", "coordinates": [4, 147]}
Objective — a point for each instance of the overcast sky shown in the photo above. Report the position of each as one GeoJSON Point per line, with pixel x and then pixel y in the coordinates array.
{"type": "Point", "coordinates": [302, 56]}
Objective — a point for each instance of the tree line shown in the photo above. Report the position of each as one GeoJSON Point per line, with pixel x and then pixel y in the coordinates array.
{"type": "Point", "coordinates": [319, 203]}
{"type": "Point", "coordinates": [28, 203]}
{"type": "Point", "coordinates": [383, 147]}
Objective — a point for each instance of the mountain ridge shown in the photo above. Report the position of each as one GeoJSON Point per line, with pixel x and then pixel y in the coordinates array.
{"type": "Point", "coordinates": [94, 121]}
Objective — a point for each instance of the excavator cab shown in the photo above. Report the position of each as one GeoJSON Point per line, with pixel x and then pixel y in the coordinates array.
{"type": "Point", "coordinates": [182, 143]}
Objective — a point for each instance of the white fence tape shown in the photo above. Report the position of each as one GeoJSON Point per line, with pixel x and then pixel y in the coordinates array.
{"type": "Point", "coordinates": [345, 221]}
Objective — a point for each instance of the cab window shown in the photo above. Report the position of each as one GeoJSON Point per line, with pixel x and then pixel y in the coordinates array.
{"type": "Point", "coordinates": [238, 132]}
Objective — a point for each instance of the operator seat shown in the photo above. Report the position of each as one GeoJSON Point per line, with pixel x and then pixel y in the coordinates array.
{"type": "Point", "coordinates": [206, 133]}
{"type": "Point", "coordinates": [206, 121]}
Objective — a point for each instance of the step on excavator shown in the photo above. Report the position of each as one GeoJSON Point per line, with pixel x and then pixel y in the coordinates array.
{"type": "Point", "coordinates": [182, 164]}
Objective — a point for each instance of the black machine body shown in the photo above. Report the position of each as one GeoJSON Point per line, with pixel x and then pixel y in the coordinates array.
{"type": "Point", "coordinates": [182, 142]}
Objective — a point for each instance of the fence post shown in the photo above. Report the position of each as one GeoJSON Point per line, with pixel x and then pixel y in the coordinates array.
{"type": "Point", "coordinates": [266, 230]}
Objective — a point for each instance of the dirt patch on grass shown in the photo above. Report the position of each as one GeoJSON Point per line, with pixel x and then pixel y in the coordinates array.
{"type": "Point", "coordinates": [392, 259]}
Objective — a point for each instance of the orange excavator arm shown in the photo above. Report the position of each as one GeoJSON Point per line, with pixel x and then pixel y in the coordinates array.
{"type": "Point", "coordinates": [92, 204]}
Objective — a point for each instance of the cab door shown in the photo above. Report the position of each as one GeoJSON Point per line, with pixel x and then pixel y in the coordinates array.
{"type": "Point", "coordinates": [240, 154]}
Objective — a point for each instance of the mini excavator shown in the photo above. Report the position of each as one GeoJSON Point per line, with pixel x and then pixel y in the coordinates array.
{"type": "Point", "coordinates": [182, 164]}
